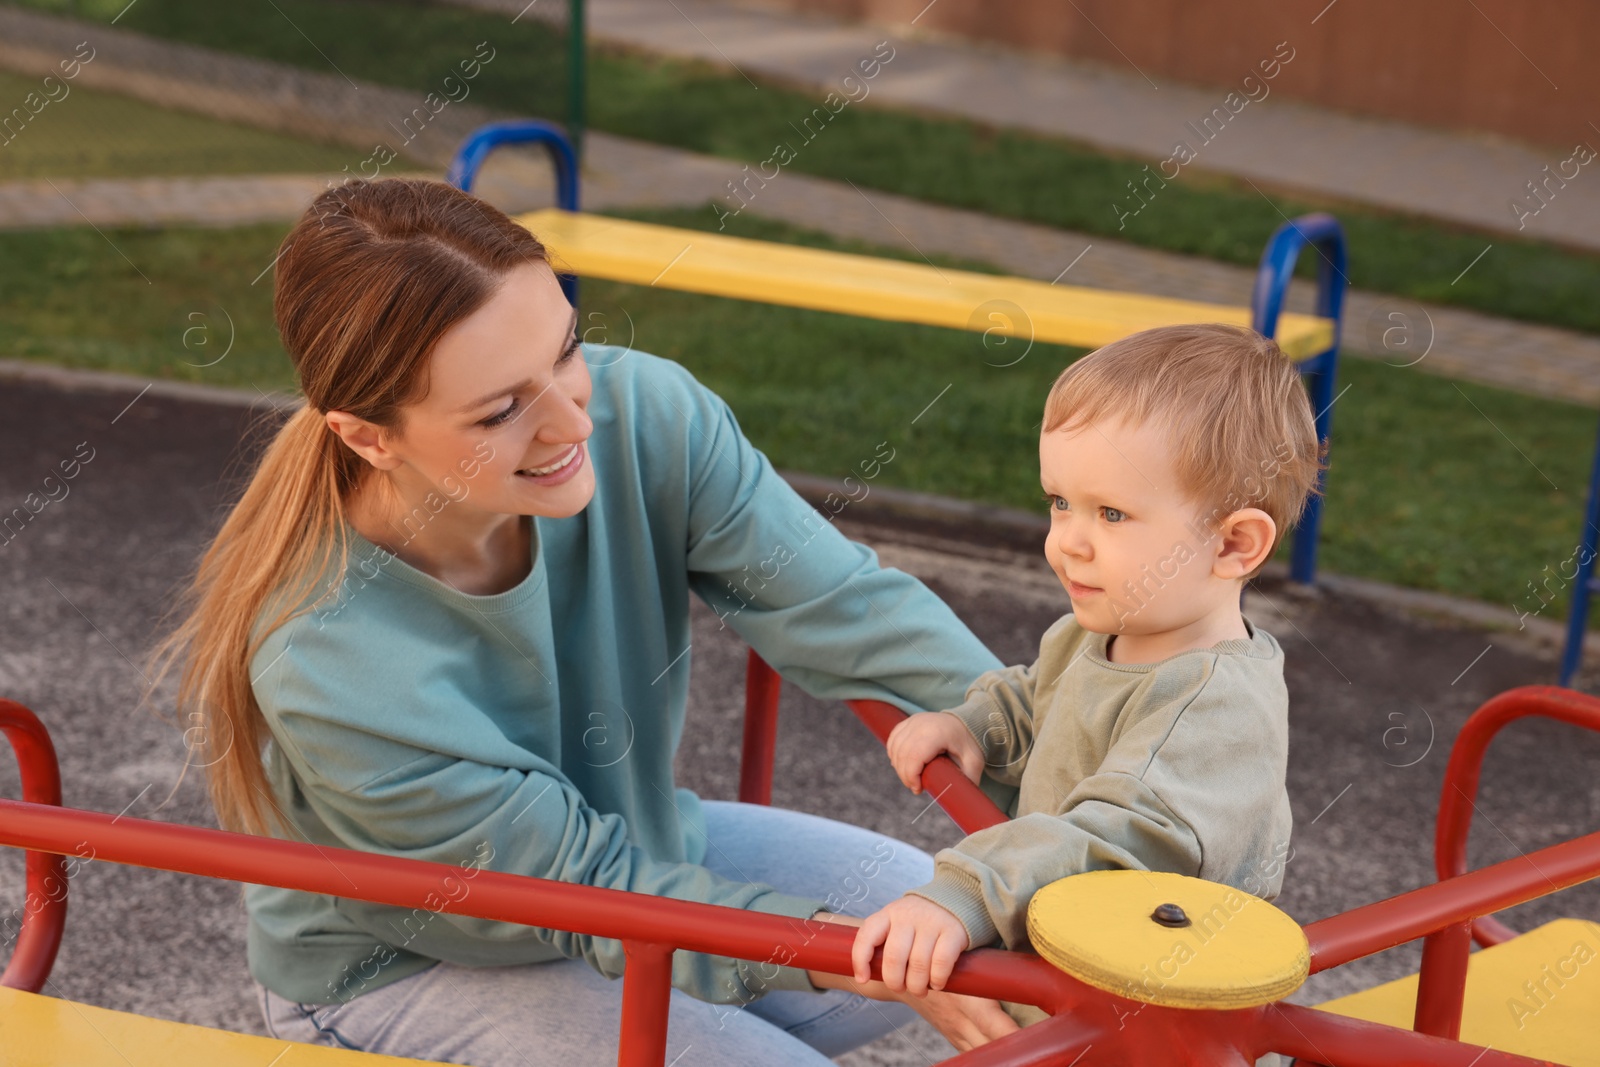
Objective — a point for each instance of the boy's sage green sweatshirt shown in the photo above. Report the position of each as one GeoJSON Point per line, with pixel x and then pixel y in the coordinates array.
{"type": "Point", "coordinates": [533, 731]}
{"type": "Point", "coordinates": [1178, 765]}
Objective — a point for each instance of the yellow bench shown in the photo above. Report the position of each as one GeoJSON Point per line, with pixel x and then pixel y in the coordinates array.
{"type": "Point", "coordinates": [693, 261]}
{"type": "Point", "coordinates": [36, 1031]}
{"type": "Point", "coordinates": [1537, 995]}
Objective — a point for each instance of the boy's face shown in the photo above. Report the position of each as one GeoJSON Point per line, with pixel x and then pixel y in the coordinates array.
{"type": "Point", "coordinates": [1124, 541]}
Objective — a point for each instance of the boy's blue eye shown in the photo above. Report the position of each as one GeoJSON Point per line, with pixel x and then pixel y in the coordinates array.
{"type": "Point", "coordinates": [1053, 500]}
{"type": "Point", "coordinates": [1113, 515]}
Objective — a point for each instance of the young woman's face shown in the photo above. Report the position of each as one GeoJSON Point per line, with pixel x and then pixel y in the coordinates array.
{"type": "Point", "coordinates": [507, 396]}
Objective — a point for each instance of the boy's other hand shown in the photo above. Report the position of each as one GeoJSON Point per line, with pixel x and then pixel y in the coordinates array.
{"type": "Point", "coordinates": [921, 943]}
{"type": "Point", "coordinates": [916, 741]}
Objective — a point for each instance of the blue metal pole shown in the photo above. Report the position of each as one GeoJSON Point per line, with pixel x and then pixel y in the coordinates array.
{"type": "Point", "coordinates": [1583, 581]}
{"type": "Point", "coordinates": [1322, 232]}
{"type": "Point", "coordinates": [475, 150]}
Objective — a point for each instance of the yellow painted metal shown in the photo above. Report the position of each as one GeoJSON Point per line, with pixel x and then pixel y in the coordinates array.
{"type": "Point", "coordinates": [1236, 951]}
{"type": "Point", "coordinates": [762, 271]}
{"type": "Point", "coordinates": [39, 1031]}
{"type": "Point", "coordinates": [1536, 995]}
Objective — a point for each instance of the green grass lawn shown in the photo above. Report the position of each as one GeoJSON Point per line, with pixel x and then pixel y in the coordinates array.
{"type": "Point", "coordinates": [693, 105]}
{"type": "Point", "coordinates": [1424, 490]}
{"type": "Point", "coordinates": [89, 134]}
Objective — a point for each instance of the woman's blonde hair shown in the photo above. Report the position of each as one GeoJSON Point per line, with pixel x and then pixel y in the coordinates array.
{"type": "Point", "coordinates": [1234, 408]}
{"type": "Point", "coordinates": [369, 278]}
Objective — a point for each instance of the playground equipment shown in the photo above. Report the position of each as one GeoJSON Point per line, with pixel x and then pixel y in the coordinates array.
{"type": "Point", "coordinates": [719, 265]}
{"type": "Point", "coordinates": [1583, 582]}
{"type": "Point", "coordinates": [1171, 970]}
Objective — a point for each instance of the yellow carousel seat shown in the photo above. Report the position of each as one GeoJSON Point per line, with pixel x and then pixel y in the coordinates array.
{"type": "Point", "coordinates": [596, 246]}
{"type": "Point", "coordinates": [1536, 995]}
{"type": "Point", "coordinates": [40, 1031]}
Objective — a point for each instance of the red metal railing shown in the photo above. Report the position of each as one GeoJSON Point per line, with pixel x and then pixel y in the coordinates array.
{"type": "Point", "coordinates": [965, 803]}
{"type": "Point", "coordinates": [1089, 1026]}
{"type": "Point", "coordinates": [651, 928]}
{"type": "Point", "coordinates": [761, 689]}
{"type": "Point", "coordinates": [1443, 981]}
{"type": "Point", "coordinates": [44, 914]}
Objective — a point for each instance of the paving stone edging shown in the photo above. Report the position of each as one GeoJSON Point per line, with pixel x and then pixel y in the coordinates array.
{"type": "Point", "coordinates": [979, 531]}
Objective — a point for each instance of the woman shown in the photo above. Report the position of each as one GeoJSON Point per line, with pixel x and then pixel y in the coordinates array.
{"type": "Point", "coordinates": [449, 620]}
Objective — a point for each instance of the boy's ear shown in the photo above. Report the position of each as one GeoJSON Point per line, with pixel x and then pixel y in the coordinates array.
{"type": "Point", "coordinates": [1244, 541]}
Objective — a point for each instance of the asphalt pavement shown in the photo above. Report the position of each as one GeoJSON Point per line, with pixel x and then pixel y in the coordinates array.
{"type": "Point", "coordinates": [1376, 698]}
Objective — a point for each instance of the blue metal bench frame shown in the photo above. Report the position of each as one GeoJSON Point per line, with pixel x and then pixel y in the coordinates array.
{"type": "Point", "coordinates": [1319, 231]}
{"type": "Point", "coordinates": [1583, 583]}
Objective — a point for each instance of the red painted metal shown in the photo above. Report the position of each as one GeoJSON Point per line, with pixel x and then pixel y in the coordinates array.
{"type": "Point", "coordinates": [1374, 927]}
{"type": "Point", "coordinates": [1442, 983]}
{"type": "Point", "coordinates": [1090, 1027]}
{"type": "Point", "coordinates": [963, 801]}
{"type": "Point", "coordinates": [761, 691]}
{"type": "Point", "coordinates": [44, 909]}
{"type": "Point", "coordinates": [1456, 803]}
{"type": "Point", "coordinates": [971, 809]}
{"type": "Point", "coordinates": [1443, 980]}
{"type": "Point", "coordinates": [499, 896]}
{"type": "Point", "coordinates": [1321, 1037]}
{"type": "Point", "coordinates": [646, 994]}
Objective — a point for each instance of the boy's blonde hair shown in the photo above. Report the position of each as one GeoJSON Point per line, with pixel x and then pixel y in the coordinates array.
{"type": "Point", "coordinates": [1236, 413]}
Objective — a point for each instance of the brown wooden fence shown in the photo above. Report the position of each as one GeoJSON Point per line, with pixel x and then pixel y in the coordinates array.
{"type": "Point", "coordinates": [1522, 68]}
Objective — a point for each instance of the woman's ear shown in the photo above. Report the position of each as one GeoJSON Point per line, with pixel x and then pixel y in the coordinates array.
{"type": "Point", "coordinates": [364, 438]}
{"type": "Point", "coordinates": [1244, 542]}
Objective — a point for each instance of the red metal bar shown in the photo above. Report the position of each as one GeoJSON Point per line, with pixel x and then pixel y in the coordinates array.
{"type": "Point", "coordinates": [44, 909]}
{"type": "Point", "coordinates": [1322, 1037]}
{"type": "Point", "coordinates": [1442, 984]}
{"type": "Point", "coordinates": [495, 895]}
{"type": "Point", "coordinates": [662, 923]}
{"type": "Point", "coordinates": [761, 691]}
{"type": "Point", "coordinates": [646, 994]}
{"type": "Point", "coordinates": [963, 801]}
{"type": "Point", "coordinates": [1461, 776]}
{"type": "Point", "coordinates": [1374, 927]}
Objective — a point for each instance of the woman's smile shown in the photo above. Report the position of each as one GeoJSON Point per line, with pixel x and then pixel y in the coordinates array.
{"type": "Point", "coordinates": [558, 472]}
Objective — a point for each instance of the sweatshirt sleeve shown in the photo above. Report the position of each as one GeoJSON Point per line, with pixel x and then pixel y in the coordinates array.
{"type": "Point", "coordinates": [998, 711]}
{"type": "Point", "coordinates": [814, 604]}
{"type": "Point", "coordinates": [377, 793]}
{"type": "Point", "coordinates": [1000, 705]}
{"type": "Point", "coordinates": [1176, 777]}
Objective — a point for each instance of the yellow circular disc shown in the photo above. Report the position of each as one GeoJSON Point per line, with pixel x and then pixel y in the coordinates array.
{"type": "Point", "coordinates": [1223, 949]}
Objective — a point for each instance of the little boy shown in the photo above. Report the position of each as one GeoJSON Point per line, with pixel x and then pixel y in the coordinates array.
{"type": "Point", "coordinates": [1152, 730]}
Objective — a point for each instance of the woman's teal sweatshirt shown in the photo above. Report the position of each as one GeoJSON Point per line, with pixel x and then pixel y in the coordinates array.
{"type": "Point", "coordinates": [533, 731]}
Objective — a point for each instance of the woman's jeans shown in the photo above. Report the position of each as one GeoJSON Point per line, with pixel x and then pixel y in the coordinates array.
{"type": "Point", "coordinates": [565, 1012]}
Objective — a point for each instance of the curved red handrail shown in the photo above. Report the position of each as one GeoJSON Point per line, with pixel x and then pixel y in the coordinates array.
{"type": "Point", "coordinates": [1372, 928]}
{"type": "Point", "coordinates": [497, 896]}
{"type": "Point", "coordinates": [961, 799]}
{"type": "Point", "coordinates": [44, 909]}
{"type": "Point", "coordinates": [651, 928]}
{"type": "Point", "coordinates": [1457, 801]}
{"type": "Point", "coordinates": [1442, 983]}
